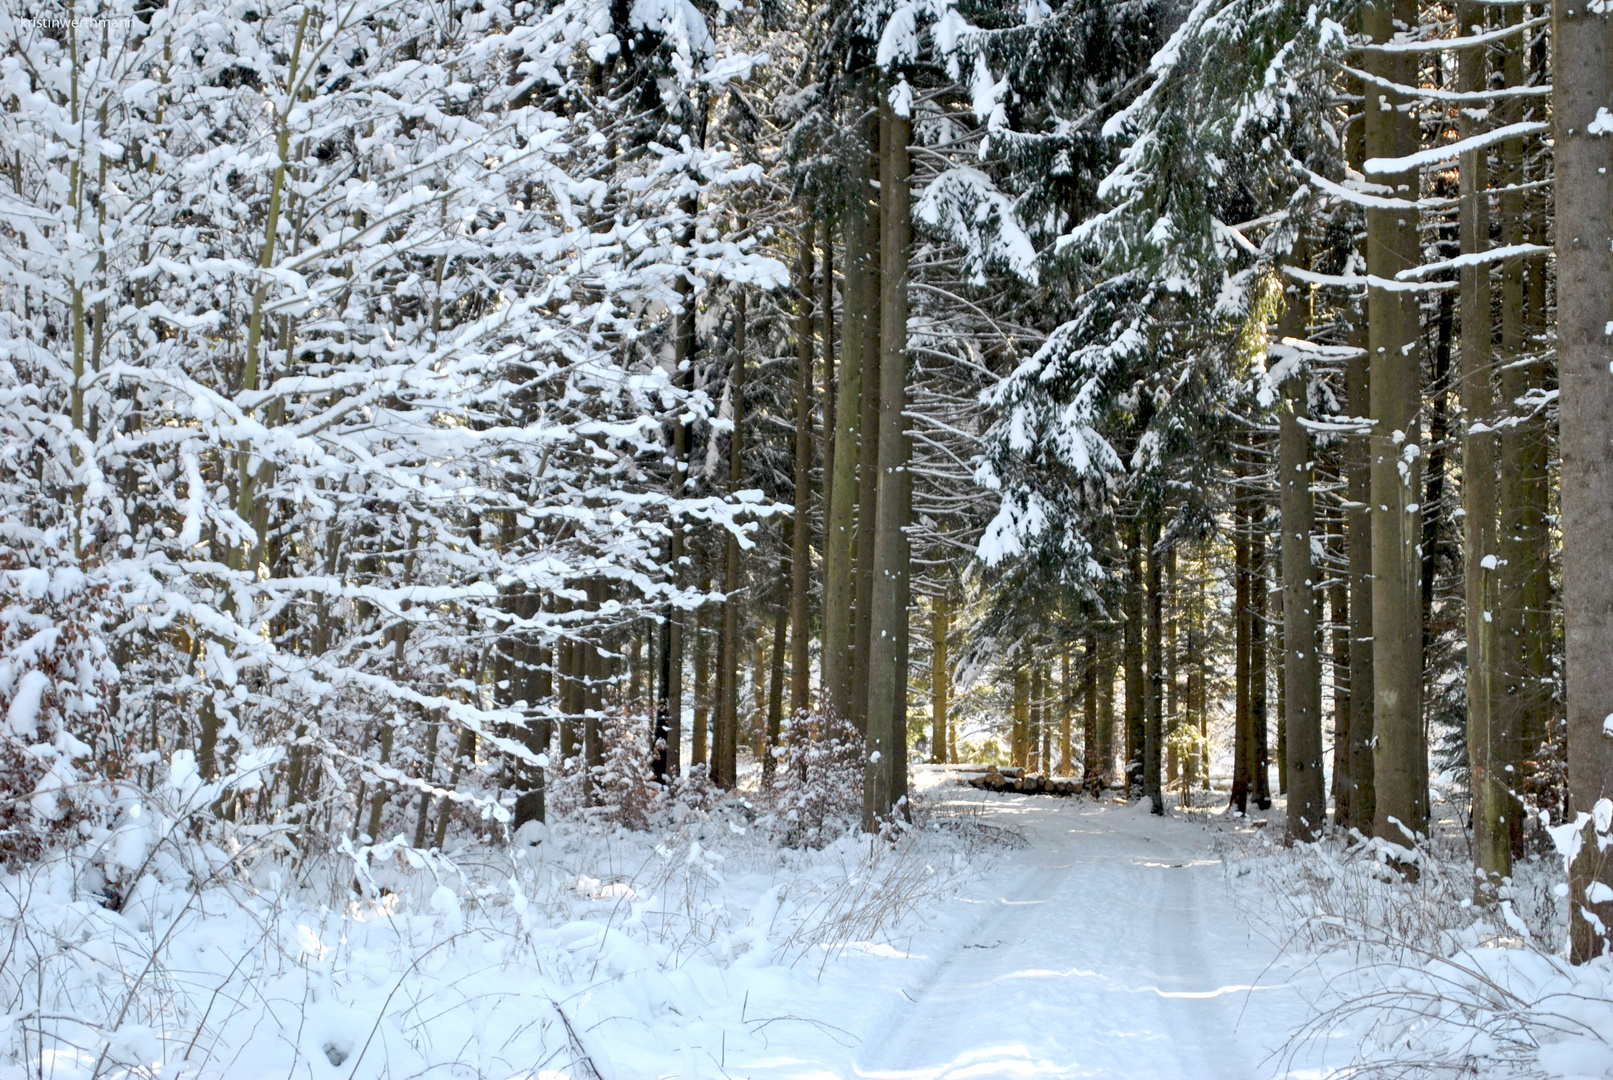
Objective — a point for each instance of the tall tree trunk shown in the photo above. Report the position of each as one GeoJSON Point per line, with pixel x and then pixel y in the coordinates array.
{"type": "Point", "coordinates": [1486, 737]}
{"type": "Point", "coordinates": [1066, 707]}
{"type": "Point", "coordinates": [887, 674]}
{"type": "Point", "coordinates": [940, 676]}
{"type": "Point", "coordinates": [596, 674]}
{"type": "Point", "coordinates": [775, 700]}
{"type": "Point", "coordinates": [1302, 665]}
{"type": "Point", "coordinates": [1092, 748]}
{"type": "Point", "coordinates": [1154, 729]}
{"type": "Point", "coordinates": [1173, 703]}
{"type": "Point", "coordinates": [758, 683]}
{"type": "Point", "coordinates": [868, 423]}
{"type": "Point", "coordinates": [699, 751]}
{"type": "Point", "coordinates": [1514, 521]}
{"type": "Point", "coordinates": [1038, 716]}
{"type": "Point", "coordinates": [840, 590]}
{"type": "Point", "coordinates": [831, 386]}
{"type": "Point", "coordinates": [725, 751]}
{"type": "Point", "coordinates": [1106, 704]}
{"type": "Point", "coordinates": [1259, 595]}
{"type": "Point", "coordinates": [1400, 767]}
{"type": "Point", "coordinates": [669, 709]}
{"type": "Point", "coordinates": [1019, 745]}
{"type": "Point", "coordinates": [801, 558]}
{"type": "Point", "coordinates": [1338, 619]}
{"type": "Point", "coordinates": [1135, 633]}
{"type": "Point", "coordinates": [1243, 739]}
{"type": "Point", "coordinates": [1540, 645]}
{"type": "Point", "coordinates": [1584, 284]}
{"type": "Point", "coordinates": [1359, 803]}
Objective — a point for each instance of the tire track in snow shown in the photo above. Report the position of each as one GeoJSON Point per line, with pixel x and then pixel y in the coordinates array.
{"type": "Point", "coordinates": [1113, 950]}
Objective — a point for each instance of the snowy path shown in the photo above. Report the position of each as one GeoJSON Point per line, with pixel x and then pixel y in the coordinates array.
{"type": "Point", "coordinates": [1108, 947]}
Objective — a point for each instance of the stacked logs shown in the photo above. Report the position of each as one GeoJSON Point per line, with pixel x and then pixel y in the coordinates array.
{"type": "Point", "coordinates": [1017, 780]}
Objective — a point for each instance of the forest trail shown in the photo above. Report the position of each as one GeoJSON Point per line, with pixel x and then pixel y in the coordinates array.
{"type": "Point", "coordinates": [1112, 948]}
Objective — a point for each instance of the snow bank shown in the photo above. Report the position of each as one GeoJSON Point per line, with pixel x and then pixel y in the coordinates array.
{"type": "Point", "coordinates": [680, 950]}
{"type": "Point", "coordinates": [1420, 982]}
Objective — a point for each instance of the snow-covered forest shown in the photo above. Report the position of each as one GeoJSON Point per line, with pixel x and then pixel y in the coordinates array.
{"type": "Point", "coordinates": [600, 539]}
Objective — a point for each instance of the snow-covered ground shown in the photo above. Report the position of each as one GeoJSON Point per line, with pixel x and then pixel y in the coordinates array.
{"type": "Point", "coordinates": [1005, 936]}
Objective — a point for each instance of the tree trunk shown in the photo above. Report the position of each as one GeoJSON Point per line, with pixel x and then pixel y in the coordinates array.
{"type": "Point", "coordinates": [1259, 594]}
{"type": "Point", "coordinates": [596, 676]}
{"type": "Point", "coordinates": [1092, 768]}
{"type": "Point", "coordinates": [840, 590]}
{"type": "Point", "coordinates": [1486, 739]}
{"type": "Point", "coordinates": [1172, 668]}
{"type": "Point", "coordinates": [831, 387]}
{"type": "Point", "coordinates": [1514, 521]}
{"type": "Point", "coordinates": [1302, 698]}
{"type": "Point", "coordinates": [940, 677]}
{"type": "Point", "coordinates": [698, 750]}
{"type": "Point", "coordinates": [1243, 740]}
{"type": "Point", "coordinates": [1338, 620]}
{"type": "Point", "coordinates": [868, 421]}
{"type": "Point", "coordinates": [1583, 301]}
{"type": "Point", "coordinates": [775, 700]}
{"type": "Point", "coordinates": [1136, 684]}
{"type": "Point", "coordinates": [1106, 704]}
{"type": "Point", "coordinates": [887, 675]}
{"type": "Point", "coordinates": [1359, 800]}
{"type": "Point", "coordinates": [1540, 647]}
{"type": "Point", "coordinates": [725, 751]}
{"type": "Point", "coordinates": [1066, 708]}
{"type": "Point", "coordinates": [1154, 730]}
{"type": "Point", "coordinates": [1019, 753]}
{"type": "Point", "coordinates": [1400, 767]}
{"type": "Point", "coordinates": [801, 558]}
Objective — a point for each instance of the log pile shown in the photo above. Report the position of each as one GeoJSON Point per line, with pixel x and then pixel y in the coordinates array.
{"type": "Point", "coordinates": [1018, 781]}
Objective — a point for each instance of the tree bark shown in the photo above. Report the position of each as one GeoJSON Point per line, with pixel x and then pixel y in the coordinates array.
{"type": "Point", "coordinates": [1486, 738]}
{"type": "Point", "coordinates": [1515, 523]}
{"type": "Point", "coordinates": [940, 677]}
{"type": "Point", "coordinates": [1154, 730]}
{"type": "Point", "coordinates": [1243, 741]}
{"type": "Point", "coordinates": [1136, 684]}
{"type": "Point", "coordinates": [1584, 284]}
{"type": "Point", "coordinates": [1091, 741]}
{"type": "Point", "coordinates": [699, 751]}
{"type": "Point", "coordinates": [831, 386]}
{"type": "Point", "coordinates": [1106, 704]}
{"type": "Point", "coordinates": [725, 751]}
{"type": "Point", "coordinates": [887, 675]}
{"type": "Point", "coordinates": [775, 700]}
{"type": "Point", "coordinates": [1302, 698]}
{"type": "Point", "coordinates": [1359, 799]}
{"type": "Point", "coordinates": [1400, 767]}
{"type": "Point", "coordinates": [1259, 595]}
{"type": "Point", "coordinates": [1066, 708]}
{"type": "Point", "coordinates": [840, 577]}
{"type": "Point", "coordinates": [801, 558]}
{"type": "Point", "coordinates": [1019, 747]}
{"type": "Point", "coordinates": [868, 421]}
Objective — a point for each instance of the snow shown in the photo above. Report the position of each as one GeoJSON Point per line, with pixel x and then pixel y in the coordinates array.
{"type": "Point", "coordinates": [1000, 936]}
{"type": "Point", "coordinates": [1439, 155]}
{"type": "Point", "coordinates": [22, 716]}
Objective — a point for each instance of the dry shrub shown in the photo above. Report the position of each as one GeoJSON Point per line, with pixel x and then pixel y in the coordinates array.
{"type": "Point", "coordinates": [817, 781]}
{"type": "Point", "coordinates": [55, 761]}
{"type": "Point", "coordinates": [1434, 986]}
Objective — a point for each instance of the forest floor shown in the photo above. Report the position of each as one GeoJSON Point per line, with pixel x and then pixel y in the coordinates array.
{"type": "Point", "coordinates": [1104, 942]}
{"type": "Point", "coordinates": [1109, 945]}
{"type": "Point", "coordinates": [1001, 936]}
